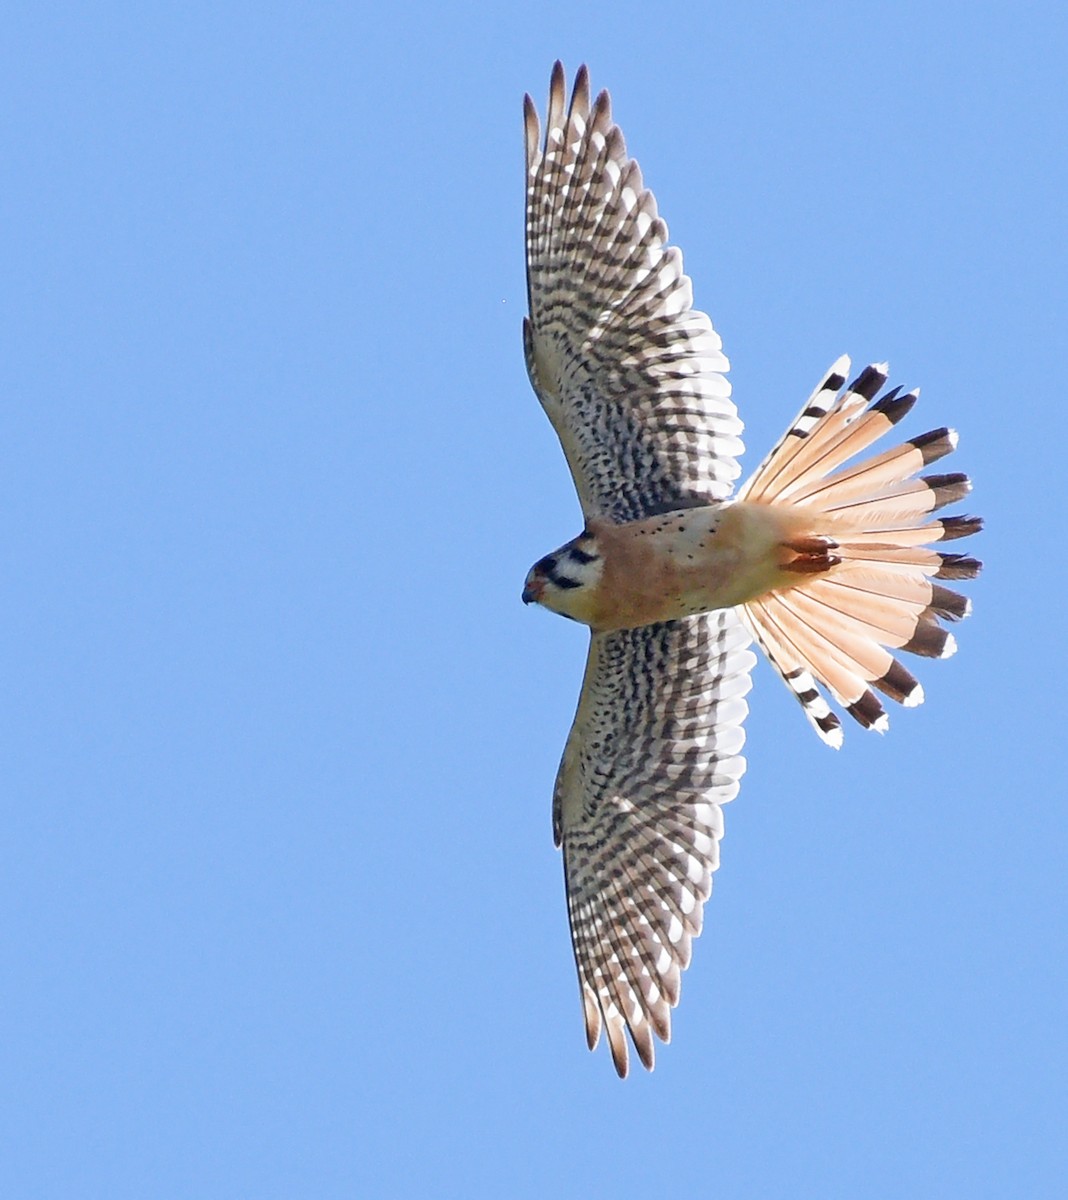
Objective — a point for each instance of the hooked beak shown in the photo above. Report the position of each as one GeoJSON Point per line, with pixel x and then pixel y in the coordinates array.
{"type": "Point", "coordinates": [532, 591]}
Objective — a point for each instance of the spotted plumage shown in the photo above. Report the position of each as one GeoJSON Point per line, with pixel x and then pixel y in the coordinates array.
{"type": "Point", "coordinates": [827, 563]}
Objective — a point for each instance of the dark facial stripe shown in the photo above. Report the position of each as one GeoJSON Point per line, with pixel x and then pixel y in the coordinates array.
{"type": "Point", "coordinates": [562, 581]}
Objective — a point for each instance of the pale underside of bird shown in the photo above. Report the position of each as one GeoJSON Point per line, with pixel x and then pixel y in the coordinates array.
{"type": "Point", "coordinates": [828, 564]}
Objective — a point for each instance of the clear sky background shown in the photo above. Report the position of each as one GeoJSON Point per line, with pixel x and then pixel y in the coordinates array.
{"type": "Point", "coordinates": [280, 914]}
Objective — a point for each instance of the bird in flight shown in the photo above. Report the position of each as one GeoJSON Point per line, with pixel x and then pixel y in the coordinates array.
{"type": "Point", "coordinates": [827, 563]}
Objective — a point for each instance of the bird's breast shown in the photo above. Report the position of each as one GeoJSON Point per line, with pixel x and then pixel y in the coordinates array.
{"type": "Point", "coordinates": [686, 562]}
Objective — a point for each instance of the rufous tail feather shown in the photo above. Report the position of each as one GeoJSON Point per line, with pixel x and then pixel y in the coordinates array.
{"type": "Point", "coordinates": [863, 567]}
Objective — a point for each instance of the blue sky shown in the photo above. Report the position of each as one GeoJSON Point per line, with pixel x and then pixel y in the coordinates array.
{"type": "Point", "coordinates": [280, 913]}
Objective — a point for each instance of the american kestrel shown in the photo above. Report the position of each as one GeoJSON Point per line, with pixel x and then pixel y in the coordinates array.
{"type": "Point", "coordinates": [826, 563]}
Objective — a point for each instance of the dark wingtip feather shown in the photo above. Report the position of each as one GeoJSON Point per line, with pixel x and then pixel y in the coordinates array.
{"type": "Point", "coordinates": [661, 1024]}
{"type": "Point", "coordinates": [580, 93]}
{"type": "Point", "coordinates": [642, 1038]}
{"type": "Point", "coordinates": [557, 95]}
{"type": "Point", "coordinates": [593, 1021]}
{"type": "Point", "coordinates": [602, 107]}
{"type": "Point", "coordinates": [619, 1057]}
{"type": "Point", "coordinates": [531, 130]}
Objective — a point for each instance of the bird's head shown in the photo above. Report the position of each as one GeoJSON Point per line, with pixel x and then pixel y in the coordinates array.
{"type": "Point", "coordinates": [566, 580]}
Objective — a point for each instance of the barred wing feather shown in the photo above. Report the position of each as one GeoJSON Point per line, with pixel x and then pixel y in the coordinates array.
{"type": "Point", "coordinates": [654, 752]}
{"type": "Point", "coordinates": [630, 374]}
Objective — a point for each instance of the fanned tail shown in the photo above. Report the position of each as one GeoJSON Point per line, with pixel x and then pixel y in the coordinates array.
{"type": "Point", "coordinates": [864, 562]}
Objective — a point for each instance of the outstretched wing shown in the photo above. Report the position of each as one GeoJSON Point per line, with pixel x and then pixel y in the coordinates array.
{"type": "Point", "coordinates": [653, 754]}
{"type": "Point", "coordinates": [630, 374]}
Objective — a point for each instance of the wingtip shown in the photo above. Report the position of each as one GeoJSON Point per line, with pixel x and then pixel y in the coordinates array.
{"type": "Point", "coordinates": [617, 1043]}
{"type": "Point", "coordinates": [531, 130]}
{"type": "Point", "coordinates": [592, 1014]}
{"type": "Point", "coordinates": [579, 109]}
